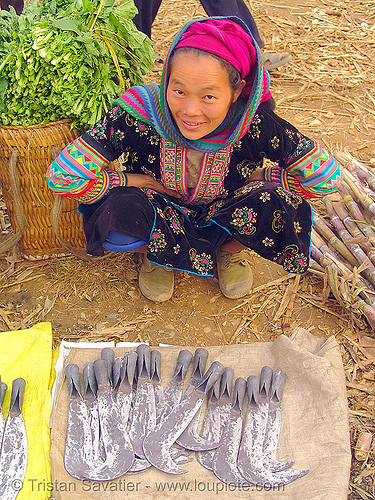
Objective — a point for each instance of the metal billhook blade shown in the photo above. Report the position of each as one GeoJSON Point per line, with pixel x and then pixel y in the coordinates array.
{"type": "Point", "coordinates": [124, 394]}
{"type": "Point", "coordinates": [250, 455]}
{"type": "Point", "coordinates": [273, 427]}
{"type": "Point", "coordinates": [144, 411]}
{"type": "Point", "coordinates": [3, 390]}
{"type": "Point", "coordinates": [13, 458]}
{"type": "Point", "coordinates": [119, 454]}
{"type": "Point", "coordinates": [108, 355]}
{"type": "Point", "coordinates": [155, 376]}
{"type": "Point", "coordinates": [224, 407]}
{"type": "Point", "coordinates": [78, 443]}
{"type": "Point", "coordinates": [190, 439]}
{"type": "Point", "coordinates": [173, 392]}
{"type": "Point", "coordinates": [90, 389]}
{"type": "Point", "coordinates": [224, 462]}
{"type": "Point", "coordinates": [158, 442]}
{"type": "Point", "coordinates": [211, 425]}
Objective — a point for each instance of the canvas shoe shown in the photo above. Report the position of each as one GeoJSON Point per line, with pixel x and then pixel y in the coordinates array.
{"type": "Point", "coordinates": [155, 282]}
{"type": "Point", "coordinates": [234, 273]}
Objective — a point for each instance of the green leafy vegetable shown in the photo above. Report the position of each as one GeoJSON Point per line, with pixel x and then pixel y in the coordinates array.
{"type": "Point", "coordinates": [68, 59]}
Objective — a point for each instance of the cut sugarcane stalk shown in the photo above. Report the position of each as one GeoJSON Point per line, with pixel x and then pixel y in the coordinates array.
{"type": "Point", "coordinates": [354, 230]}
{"type": "Point", "coordinates": [354, 248]}
{"type": "Point", "coordinates": [363, 198]}
{"type": "Point", "coordinates": [324, 261]}
{"type": "Point", "coordinates": [322, 245]}
{"type": "Point", "coordinates": [321, 226]}
{"type": "Point", "coordinates": [356, 212]}
{"type": "Point", "coordinates": [351, 163]}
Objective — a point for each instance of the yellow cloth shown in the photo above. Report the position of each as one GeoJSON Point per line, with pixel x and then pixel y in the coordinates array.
{"type": "Point", "coordinates": [28, 354]}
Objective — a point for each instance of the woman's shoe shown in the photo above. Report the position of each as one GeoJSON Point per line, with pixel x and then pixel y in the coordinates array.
{"type": "Point", "coordinates": [155, 282]}
{"type": "Point", "coordinates": [158, 64]}
{"type": "Point", "coordinates": [272, 61]}
{"type": "Point", "coordinates": [234, 273]}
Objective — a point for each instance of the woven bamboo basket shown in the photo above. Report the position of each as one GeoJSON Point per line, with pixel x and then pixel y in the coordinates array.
{"type": "Point", "coordinates": [25, 153]}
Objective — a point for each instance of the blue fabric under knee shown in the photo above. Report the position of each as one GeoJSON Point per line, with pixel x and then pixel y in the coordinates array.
{"type": "Point", "coordinates": [118, 242]}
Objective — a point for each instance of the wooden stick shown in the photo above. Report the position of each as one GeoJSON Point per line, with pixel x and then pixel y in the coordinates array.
{"type": "Point", "coordinates": [288, 312]}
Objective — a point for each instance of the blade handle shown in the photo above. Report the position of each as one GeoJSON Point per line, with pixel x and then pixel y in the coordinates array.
{"type": "Point", "coordinates": [117, 372]}
{"type": "Point", "coordinates": [211, 376]}
{"type": "Point", "coordinates": [73, 381]}
{"type": "Point", "coordinates": [253, 390]}
{"type": "Point", "coordinates": [90, 386]}
{"type": "Point", "coordinates": [155, 371]}
{"type": "Point", "coordinates": [131, 366]}
{"type": "Point", "coordinates": [226, 382]}
{"type": "Point", "coordinates": [108, 355]}
{"type": "Point", "coordinates": [16, 399]}
{"type": "Point", "coordinates": [239, 392]}
{"type": "Point", "coordinates": [265, 381]}
{"type": "Point", "coordinates": [278, 381]}
{"type": "Point", "coordinates": [143, 360]}
{"type": "Point", "coordinates": [199, 363]}
{"type": "Point", "coordinates": [214, 392]}
{"type": "Point", "coordinates": [3, 390]}
{"type": "Point", "coordinates": [182, 364]}
{"type": "Point", "coordinates": [101, 373]}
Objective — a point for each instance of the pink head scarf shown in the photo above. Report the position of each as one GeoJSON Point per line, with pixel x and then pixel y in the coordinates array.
{"type": "Point", "coordinates": [227, 39]}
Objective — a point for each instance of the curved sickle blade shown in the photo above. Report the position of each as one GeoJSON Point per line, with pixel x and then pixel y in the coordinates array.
{"type": "Point", "coordinates": [211, 426]}
{"type": "Point", "coordinates": [13, 459]}
{"type": "Point", "coordinates": [3, 389]}
{"type": "Point", "coordinates": [119, 454]}
{"type": "Point", "coordinates": [250, 455]}
{"type": "Point", "coordinates": [124, 394]}
{"type": "Point", "coordinates": [78, 443]}
{"type": "Point", "coordinates": [158, 442]}
{"type": "Point", "coordinates": [273, 427]}
{"type": "Point", "coordinates": [155, 376]}
{"type": "Point", "coordinates": [190, 439]}
{"type": "Point", "coordinates": [144, 411]}
{"type": "Point", "coordinates": [90, 389]}
{"type": "Point", "coordinates": [178, 455]}
{"type": "Point", "coordinates": [173, 392]}
{"type": "Point", "coordinates": [224, 406]}
{"type": "Point", "coordinates": [224, 460]}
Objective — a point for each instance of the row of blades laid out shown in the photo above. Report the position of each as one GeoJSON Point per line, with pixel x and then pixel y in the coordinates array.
{"type": "Point", "coordinates": [13, 439]}
{"type": "Point", "coordinates": [124, 421]}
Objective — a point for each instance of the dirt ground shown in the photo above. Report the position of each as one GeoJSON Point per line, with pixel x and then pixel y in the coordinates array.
{"type": "Point", "coordinates": [328, 92]}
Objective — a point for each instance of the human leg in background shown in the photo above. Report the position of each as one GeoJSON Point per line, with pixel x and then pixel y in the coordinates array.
{"type": "Point", "coordinates": [238, 8]}
{"type": "Point", "coordinates": [147, 11]}
{"type": "Point", "coordinates": [17, 4]}
{"type": "Point", "coordinates": [233, 8]}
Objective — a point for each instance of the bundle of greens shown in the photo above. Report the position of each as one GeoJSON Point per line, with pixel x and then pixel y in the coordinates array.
{"type": "Point", "coordinates": [68, 59]}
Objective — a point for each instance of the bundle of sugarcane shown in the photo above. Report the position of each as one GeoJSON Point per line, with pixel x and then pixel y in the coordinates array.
{"type": "Point", "coordinates": [343, 244]}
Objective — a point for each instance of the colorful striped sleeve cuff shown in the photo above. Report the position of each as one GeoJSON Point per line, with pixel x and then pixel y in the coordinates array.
{"type": "Point", "coordinates": [81, 172]}
{"type": "Point", "coordinates": [313, 175]}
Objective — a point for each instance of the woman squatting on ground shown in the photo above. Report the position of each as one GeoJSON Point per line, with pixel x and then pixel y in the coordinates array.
{"type": "Point", "coordinates": [193, 191]}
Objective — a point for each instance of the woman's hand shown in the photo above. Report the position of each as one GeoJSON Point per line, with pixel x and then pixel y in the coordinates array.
{"type": "Point", "coordinates": [257, 175]}
{"type": "Point", "coordinates": [145, 181]}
